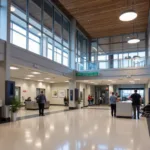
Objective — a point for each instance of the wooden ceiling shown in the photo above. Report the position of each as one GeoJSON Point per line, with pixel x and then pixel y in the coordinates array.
{"type": "Point", "coordinates": [100, 18]}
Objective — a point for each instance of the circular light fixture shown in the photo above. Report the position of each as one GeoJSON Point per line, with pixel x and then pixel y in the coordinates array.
{"type": "Point", "coordinates": [133, 41]}
{"type": "Point", "coordinates": [128, 15]}
{"type": "Point", "coordinates": [12, 9]}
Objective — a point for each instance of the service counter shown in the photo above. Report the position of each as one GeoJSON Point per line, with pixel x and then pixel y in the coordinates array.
{"type": "Point", "coordinates": [124, 109]}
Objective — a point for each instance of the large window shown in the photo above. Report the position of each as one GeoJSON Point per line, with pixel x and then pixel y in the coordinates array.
{"type": "Point", "coordinates": [34, 30]}
{"type": "Point", "coordinates": [81, 51]}
{"type": "Point", "coordinates": [57, 53]}
{"type": "Point", "coordinates": [119, 53]}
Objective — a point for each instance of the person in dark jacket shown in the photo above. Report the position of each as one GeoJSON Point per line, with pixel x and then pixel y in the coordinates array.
{"type": "Point", "coordinates": [136, 102]}
{"type": "Point", "coordinates": [41, 100]}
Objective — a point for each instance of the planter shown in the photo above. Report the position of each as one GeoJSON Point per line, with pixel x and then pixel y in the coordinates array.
{"type": "Point", "coordinates": [13, 116]}
{"type": "Point", "coordinates": [79, 106]}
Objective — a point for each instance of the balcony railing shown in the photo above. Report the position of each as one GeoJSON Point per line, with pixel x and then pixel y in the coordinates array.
{"type": "Point", "coordinates": [111, 64]}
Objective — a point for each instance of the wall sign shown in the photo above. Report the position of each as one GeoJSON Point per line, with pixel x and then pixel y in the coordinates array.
{"type": "Point", "coordinates": [87, 74]}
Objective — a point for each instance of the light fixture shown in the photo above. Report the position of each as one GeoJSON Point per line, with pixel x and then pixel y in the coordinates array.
{"type": "Point", "coordinates": [30, 26]}
{"type": "Point", "coordinates": [110, 80]}
{"type": "Point", "coordinates": [137, 79]}
{"type": "Point", "coordinates": [36, 73]}
{"type": "Point", "coordinates": [39, 34]}
{"type": "Point", "coordinates": [12, 9]}
{"type": "Point", "coordinates": [27, 78]}
{"type": "Point", "coordinates": [66, 81]}
{"type": "Point", "coordinates": [13, 68]}
{"type": "Point", "coordinates": [30, 75]}
{"type": "Point", "coordinates": [128, 15]}
{"type": "Point", "coordinates": [133, 41]}
{"type": "Point", "coordinates": [132, 82]}
{"type": "Point", "coordinates": [47, 78]}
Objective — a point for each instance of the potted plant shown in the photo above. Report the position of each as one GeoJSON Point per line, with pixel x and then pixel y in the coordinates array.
{"type": "Point", "coordinates": [15, 106]}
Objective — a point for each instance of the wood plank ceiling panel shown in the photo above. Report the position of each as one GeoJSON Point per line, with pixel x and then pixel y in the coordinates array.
{"type": "Point", "coordinates": [100, 18]}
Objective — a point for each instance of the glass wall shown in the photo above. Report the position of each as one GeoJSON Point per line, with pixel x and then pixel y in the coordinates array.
{"type": "Point", "coordinates": [81, 51]}
{"type": "Point", "coordinates": [42, 29]}
{"type": "Point", "coordinates": [115, 52]}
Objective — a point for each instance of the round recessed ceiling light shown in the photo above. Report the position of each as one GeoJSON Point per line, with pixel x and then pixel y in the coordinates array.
{"type": "Point", "coordinates": [30, 75]}
{"type": "Point", "coordinates": [128, 15]}
{"type": "Point", "coordinates": [13, 68]}
{"type": "Point", "coordinates": [36, 73]}
{"type": "Point", "coordinates": [133, 41]}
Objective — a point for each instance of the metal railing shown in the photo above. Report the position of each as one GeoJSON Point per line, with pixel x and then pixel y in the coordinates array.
{"type": "Point", "coordinates": [111, 64]}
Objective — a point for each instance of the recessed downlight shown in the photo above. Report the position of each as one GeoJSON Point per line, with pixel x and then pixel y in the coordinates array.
{"type": "Point", "coordinates": [110, 80]}
{"type": "Point", "coordinates": [30, 75]}
{"type": "Point", "coordinates": [36, 73]}
{"type": "Point", "coordinates": [14, 68]}
{"type": "Point", "coordinates": [137, 79]}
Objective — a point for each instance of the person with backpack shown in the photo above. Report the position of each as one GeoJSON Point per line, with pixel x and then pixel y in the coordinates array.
{"type": "Point", "coordinates": [41, 100]}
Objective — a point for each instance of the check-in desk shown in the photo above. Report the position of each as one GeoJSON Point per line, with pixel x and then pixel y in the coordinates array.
{"type": "Point", "coordinates": [124, 109]}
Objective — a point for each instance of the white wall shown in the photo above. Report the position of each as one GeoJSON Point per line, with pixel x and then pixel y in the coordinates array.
{"type": "Point", "coordinates": [57, 87]}
{"type": "Point", "coordinates": [30, 88]}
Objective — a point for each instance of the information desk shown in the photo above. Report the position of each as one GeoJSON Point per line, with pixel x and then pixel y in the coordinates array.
{"type": "Point", "coordinates": [124, 109]}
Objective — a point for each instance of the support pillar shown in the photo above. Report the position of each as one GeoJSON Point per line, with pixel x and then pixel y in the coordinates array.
{"type": "Point", "coordinates": [111, 89]}
{"type": "Point", "coordinates": [4, 75]}
{"type": "Point", "coordinates": [72, 100]}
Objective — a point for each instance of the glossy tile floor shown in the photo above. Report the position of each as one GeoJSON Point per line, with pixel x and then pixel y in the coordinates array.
{"type": "Point", "coordinates": [23, 112]}
{"type": "Point", "coordinates": [85, 129]}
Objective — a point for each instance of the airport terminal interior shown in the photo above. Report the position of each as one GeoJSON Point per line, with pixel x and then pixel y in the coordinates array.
{"type": "Point", "coordinates": [76, 53]}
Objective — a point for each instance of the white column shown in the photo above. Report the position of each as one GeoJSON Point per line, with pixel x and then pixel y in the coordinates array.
{"type": "Point", "coordinates": [73, 43]}
{"type": "Point", "coordinates": [4, 75]}
{"type": "Point", "coordinates": [111, 89]}
{"type": "Point", "coordinates": [72, 101]}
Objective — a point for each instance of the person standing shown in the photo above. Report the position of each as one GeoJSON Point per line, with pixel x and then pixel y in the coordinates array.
{"type": "Point", "coordinates": [89, 99]}
{"type": "Point", "coordinates": [136, 102]}
{"type": "Point", "coordinates": [113, 100]}
{"type": "Point", "coordinates": [41, 100]}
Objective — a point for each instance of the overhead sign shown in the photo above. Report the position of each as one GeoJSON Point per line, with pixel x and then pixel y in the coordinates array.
{"type": "Point", "coordinates": [87, 74]}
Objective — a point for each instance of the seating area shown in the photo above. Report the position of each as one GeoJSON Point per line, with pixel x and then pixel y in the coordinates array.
{"type": "Point", "coordinates": [33, 105]}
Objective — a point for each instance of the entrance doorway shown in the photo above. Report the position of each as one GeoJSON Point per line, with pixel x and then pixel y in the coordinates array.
{"type": "Point", "coordinates": [103, 92]}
